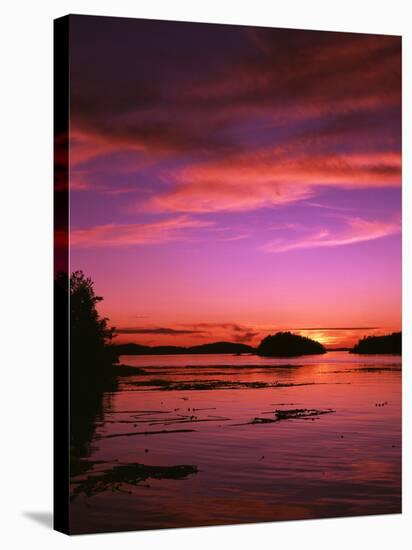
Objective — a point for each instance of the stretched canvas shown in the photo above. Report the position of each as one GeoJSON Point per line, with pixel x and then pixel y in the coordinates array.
{"type": "Point", "coordinates": [227, 274]}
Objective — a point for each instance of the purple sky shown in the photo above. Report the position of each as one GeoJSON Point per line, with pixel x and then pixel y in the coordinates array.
{"type": "Point", "coordinates": [230, 181]}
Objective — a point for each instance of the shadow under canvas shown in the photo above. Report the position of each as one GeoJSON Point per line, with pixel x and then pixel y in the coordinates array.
{"type": "Point", "coordinates": [42, 518]}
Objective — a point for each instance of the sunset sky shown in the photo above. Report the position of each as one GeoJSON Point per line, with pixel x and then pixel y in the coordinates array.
{"type": "Point", "coordinates": [228, 182]}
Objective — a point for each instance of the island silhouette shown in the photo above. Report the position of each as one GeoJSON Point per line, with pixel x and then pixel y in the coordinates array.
{"type": "Point", "coordinates": [387, 344]}
{"type": "Point", "coordinates": [287, 344]}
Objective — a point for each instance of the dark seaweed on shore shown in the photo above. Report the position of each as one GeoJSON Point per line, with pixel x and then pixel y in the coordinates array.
{"type": "Point", "coordinates": [191, 385]}
{"type": "Point", "coordinates": [289, 414]}
{"type": "Point", "coordinates": [129, 474]}
{"type": "Point", "coordinates": [366, 370]}
{"type": "Point", "coordinates": [154, 432]}
{"type": "Point", "coordinates": [261, 366]}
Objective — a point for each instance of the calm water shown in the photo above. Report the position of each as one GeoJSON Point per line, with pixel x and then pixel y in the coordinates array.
{"type": "Point", "coordinates": [341, 457]}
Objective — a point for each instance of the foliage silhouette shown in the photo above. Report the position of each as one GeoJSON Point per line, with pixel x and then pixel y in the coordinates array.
{"type": "Point", "coordinates": [91, 359]}
{"type": "Point", "coordinates": [390, 343]}
{"type": "Point", "coordinates": [286, 344]}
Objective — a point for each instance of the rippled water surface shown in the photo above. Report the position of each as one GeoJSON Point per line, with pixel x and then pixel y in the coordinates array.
{"type": "Point", "coordinates": [223, 439]}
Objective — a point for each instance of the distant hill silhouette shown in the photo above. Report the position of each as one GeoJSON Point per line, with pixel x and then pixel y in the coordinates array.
{"type": "Point", "coordinates": [131, 349]}
{"type": "Point", "coordinates": [286, 344]}
{"type": "Point", "coordinates": [214, 347]}
{"type": "Point", "coordinates": [390, 343]}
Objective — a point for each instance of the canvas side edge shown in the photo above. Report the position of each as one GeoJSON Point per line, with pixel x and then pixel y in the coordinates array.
{"type": "Point", "coordinates": [61, 388]}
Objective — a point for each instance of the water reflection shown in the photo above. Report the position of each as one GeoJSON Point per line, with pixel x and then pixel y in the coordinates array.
{"type": "Point", "coordinates": [339, 456]}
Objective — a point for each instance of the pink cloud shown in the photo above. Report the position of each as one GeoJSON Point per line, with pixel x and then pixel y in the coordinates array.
{"type": "Point", "coordinates": [273, 176]}
{"type": "Point", "coordinates": [87, 145]}
{"type": "Point", "coordinates": [135, 234]}
{"type": "Point", "coordinates": [357, 230]}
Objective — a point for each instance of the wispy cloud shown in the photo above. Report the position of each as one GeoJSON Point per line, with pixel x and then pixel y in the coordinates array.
{"type": "Point", "coordinates": [232, 331]}
{"type": "Point", "coordinates": [214, 331]}
{"type": "Point", "coordinates": [356, 230]}
{"type": "Point", "coordinates": [245, 337]}
{"type": "Point", "coordinates": [135, 234]}
{"type": "Point", "coordinates": [245, 181]}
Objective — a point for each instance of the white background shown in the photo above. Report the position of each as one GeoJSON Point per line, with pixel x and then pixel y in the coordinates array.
{"type": "Point", "coordinates": [26, 272]}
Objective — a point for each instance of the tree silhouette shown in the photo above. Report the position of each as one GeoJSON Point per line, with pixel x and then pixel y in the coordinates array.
{"type": "Point", "coordinates": [91, 359]}
{"type": "Point", "coordinates": [90, 354]}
